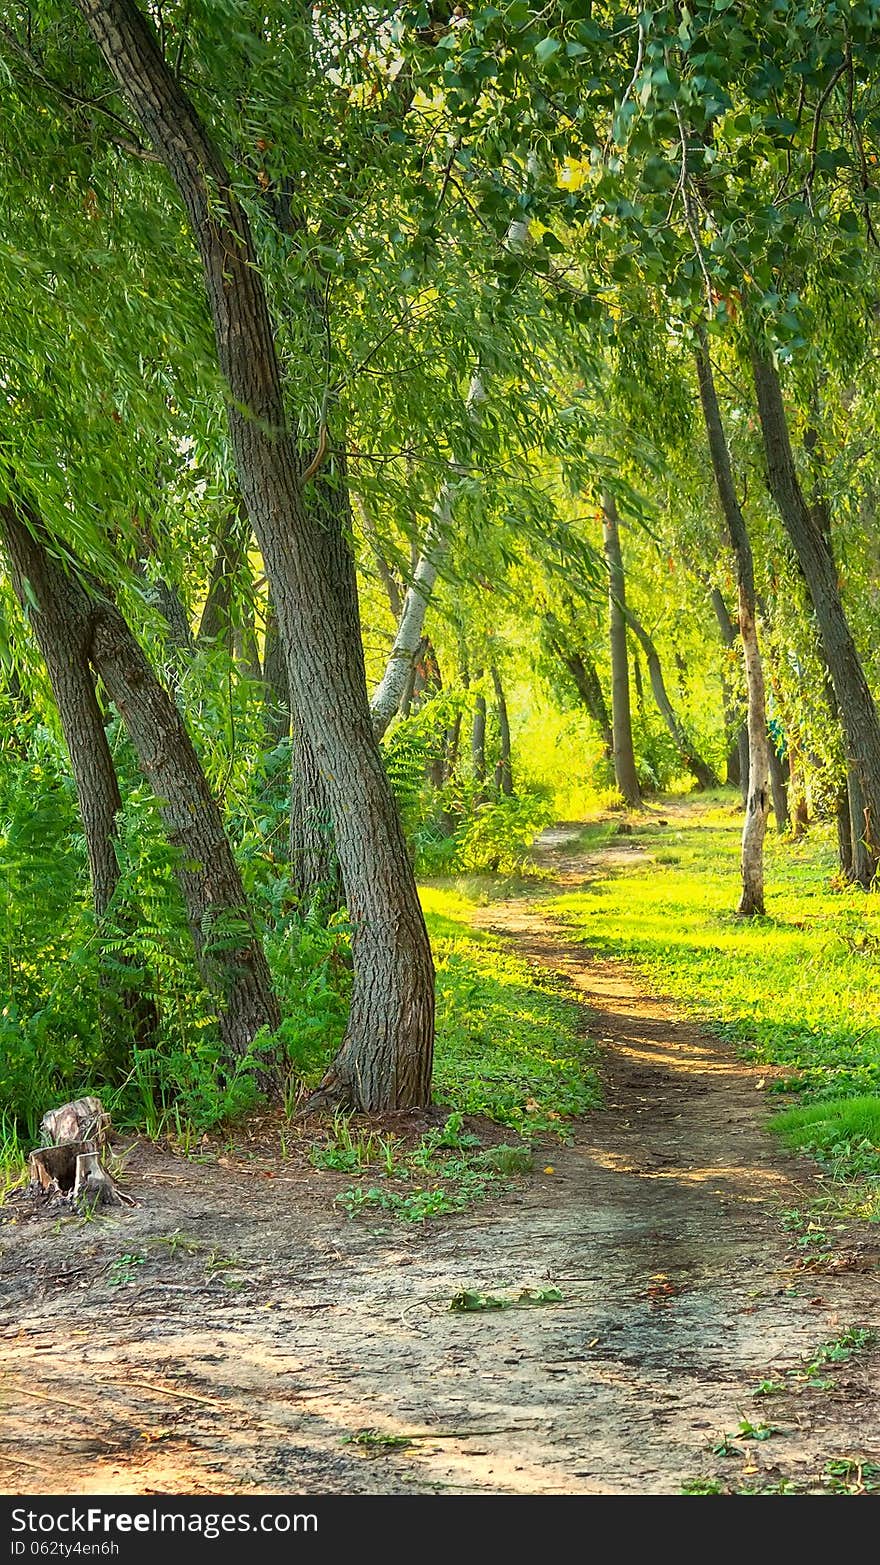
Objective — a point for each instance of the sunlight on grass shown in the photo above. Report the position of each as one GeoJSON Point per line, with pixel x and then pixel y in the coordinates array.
{"type": "Point", "coordinates": [800, 988]}
{"type": "Point", "coordinates": [509, 1044]}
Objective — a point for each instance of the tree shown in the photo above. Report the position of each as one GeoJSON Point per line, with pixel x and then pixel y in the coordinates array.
{"type": "Point", "coordinates": [621, 717]}
{"type": "Point", "coordinates": [386, 1057]}
{"type": "Point", "coordinates": [758, 802]}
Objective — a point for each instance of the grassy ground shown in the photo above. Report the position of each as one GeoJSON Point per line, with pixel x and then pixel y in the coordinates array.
{"type": "Point", "coordinates": [799, 989]}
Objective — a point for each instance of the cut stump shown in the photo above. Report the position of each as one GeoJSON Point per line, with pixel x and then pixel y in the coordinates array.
{"type": "Point", "coordinates": [70, 1168]}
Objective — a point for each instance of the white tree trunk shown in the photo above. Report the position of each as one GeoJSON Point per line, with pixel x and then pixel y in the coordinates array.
{"type": "Point", "coordinates": [386, 697]}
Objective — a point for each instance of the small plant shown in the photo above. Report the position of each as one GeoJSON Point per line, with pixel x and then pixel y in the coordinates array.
{"type": "Point", "coordinates": [123, 1270]}
{"type": "Point", "coordinates": [759, 1431]}
{"type": "Point", "coordinates": [702, 1486]}
{"type": "Point", "coordinates": [471, 1301]}
{"type": "Point", "coordinates": [726, 1446]}
{"type": "Point", "coordinates": [377, 1440]}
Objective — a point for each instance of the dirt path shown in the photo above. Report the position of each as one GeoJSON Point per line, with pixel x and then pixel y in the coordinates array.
{"type": "Point", "coordinates": [176, 1371]}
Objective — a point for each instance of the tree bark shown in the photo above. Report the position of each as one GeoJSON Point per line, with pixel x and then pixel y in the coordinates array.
{"type": "Point", "coordinates": [779, 789]}
{"type": "Point", "coordinates": [230, 956]}
{"type": "Point", "coordinates": [386, 1056]}
{"type": "Point", "coordinates": [737, 732]}
{"type": "Point", "coordinates": [812, 547]}
{"type": "Point", "coordinates": [63, 641]}
{"type": "Point", "coordinates": [504, 768]}
{"type": "Point", "coordinates": [699, 769]}
{"type": "Point", "coordinates": [758, 803]}
{"type": "Point", "coordinates": [275, 678]}
{"type": "Point", "coordinates": [314, 865]}
{"type": "Point", "coordinates": [621, 715]}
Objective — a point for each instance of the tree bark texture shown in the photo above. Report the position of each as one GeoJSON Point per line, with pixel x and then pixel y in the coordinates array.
{"type": "Point", "coordinates": [812, 547]}
{"type": "Point", "coordinates": [386, 1056]}
{"type": "Point", "coordinates": [625, 773]}
{"type": "Point", "coordinates": [758, 802]}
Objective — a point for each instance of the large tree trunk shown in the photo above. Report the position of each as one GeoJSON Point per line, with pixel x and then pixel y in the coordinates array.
{"type": "Point", "coordinates": [812, 547]}
{"type": "Point", "coordinates": [621, 716]}
{"type": "Point", "coordinates": [504, 769]}
{"type": "Point", "coordinates": [314, 866]}
{"type": "Point", "coordinates": [229, 954]}
{"type": "Point", "coordinates": [699, 769]}
{"type": "Point", "coordinates": [386, 1056]}
{"type": "Point", "coordinates": [758, 803]}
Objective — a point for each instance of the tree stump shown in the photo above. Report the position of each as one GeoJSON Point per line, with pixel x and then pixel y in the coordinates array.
{"type": "Point", "coordinates": [84, 1120]}
{"type": "Point", "coordinates": [69, 1169]}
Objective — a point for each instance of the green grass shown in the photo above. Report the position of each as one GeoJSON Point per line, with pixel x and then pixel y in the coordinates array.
{"type": "Point", "coordinates": [510, 1044]}
{"type": "Point", "coordinates": [800, 988]}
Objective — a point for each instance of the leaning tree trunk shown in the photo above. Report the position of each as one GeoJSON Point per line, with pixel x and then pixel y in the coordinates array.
{"type": "Point", "coordinates": [758, 803]}
{"type": "Point", "coordinates": [504, 769]}
{"type": "Point", "coordinates": [63, 641]}
{"type": "Point", "coordinates": [812, 547]}
{"type": "Point", "coordinates": [621, 714]}
{"type": "Point", "coordinates": [699, 769]}
{"type": "Point", "coordinates": [229, 954]}
{"type": "Point", "coordinates": [586, 681]}
{"type": "Point", "coordinates": [389, 695]}
{"type": "Point", "coordinates": [386, 1056]}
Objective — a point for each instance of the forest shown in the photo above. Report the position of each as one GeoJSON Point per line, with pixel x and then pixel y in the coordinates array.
{"type": "Point", "coordinates": [439, 735]}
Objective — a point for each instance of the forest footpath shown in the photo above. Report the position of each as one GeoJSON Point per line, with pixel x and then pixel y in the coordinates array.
{"type": "Point", "coordinates": [232, 1334]}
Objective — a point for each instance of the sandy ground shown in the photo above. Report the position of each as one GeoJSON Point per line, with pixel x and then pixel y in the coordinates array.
{"type": "Point", "coordinates": [258, 1330]}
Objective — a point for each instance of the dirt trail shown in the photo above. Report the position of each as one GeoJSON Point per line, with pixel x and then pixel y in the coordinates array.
{"type": "Point", "coordinates": [660, 1226]}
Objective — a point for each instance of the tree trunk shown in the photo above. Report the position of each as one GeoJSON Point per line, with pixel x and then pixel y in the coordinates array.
{"type": "Point", "coordinates": [275, 678]}
{"type": "Point", "coordinates": [699, 769]}
{"type": "Point", "coordinates": [314, 866]}
{"type": "Point", "coordinates": [399, 672]}
{"type": "Point", "coordinates": [229, 954]}
{"type": "Point", "coordinates": [758, 803]}
{"type": "Point", "coordinates": [63, 641]}
{"type": "Point", "coordinates": [504, 768]}
{"type": "Point", "coordinates": [229, 553]}
{"type": "Point", "coordinates": [586, 682]}
{"type": "Point", "coordinates": [737, 732]}
{"type": "Point", "coordinates": [386, 1056]}
{"type": "Point", "coordinates": [621, 716]}
{"type": "Point", "coordinates": [779, 789]}
{"type": "Point", "coordinates": [861, 726]}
